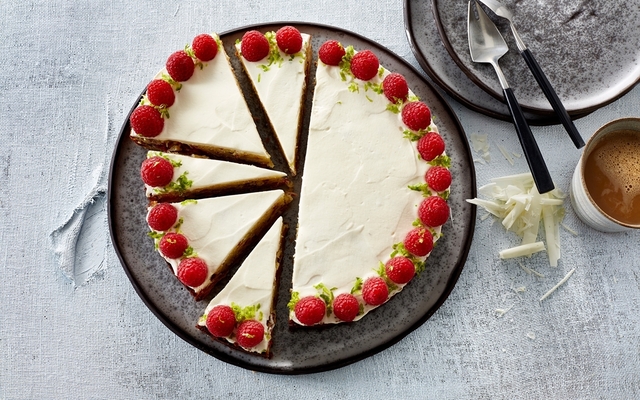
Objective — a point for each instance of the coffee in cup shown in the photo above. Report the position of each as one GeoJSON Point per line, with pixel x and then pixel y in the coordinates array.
{"type": "Point", "coordinates": [605, 190]}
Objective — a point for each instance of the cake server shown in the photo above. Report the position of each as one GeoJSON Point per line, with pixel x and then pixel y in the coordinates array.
{"type": "Point", "coordinates": [487, 45]}
{"type": "Point", "coordinates": [500, 10]}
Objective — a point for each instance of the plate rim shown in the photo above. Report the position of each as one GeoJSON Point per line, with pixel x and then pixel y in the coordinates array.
{"type": "Point", "coordinates": [573, 113]}
{"type": "Point", "coordinates": [539, 120]}
{"type": "Point", "coordinates": [452, 278]}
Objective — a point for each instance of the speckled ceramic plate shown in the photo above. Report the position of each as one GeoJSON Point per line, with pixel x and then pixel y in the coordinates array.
{"type": "Point", "coordinates": [427, 46]}
{"type": "Point", "coordinates": [589, 50]}
{"type": "Point", "coordinates": [300, 350]}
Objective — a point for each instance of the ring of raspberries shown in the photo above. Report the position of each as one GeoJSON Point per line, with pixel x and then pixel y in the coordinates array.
{"type": "Point", "coordinates": [433, 210]}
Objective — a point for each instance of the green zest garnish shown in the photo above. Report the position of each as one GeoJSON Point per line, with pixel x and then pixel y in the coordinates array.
{"type": "Point", "coordinates": [274, 52]}
{"type": "Point", "coordinates": [421, 187]}
{"type": "Point", "coordinates": [357, 287]}
{"type": "Point", "coordinates": [175, 85]}
{"type": "Point", "coordinates": [188, 252]}
{"type": "Point", "coordinates": [245, 313]}
{"type": "Point", "coordinates": [442, 160]}
{"type": "Point", "coordinates": [326, 295]}
{"type": "Point", "coordinates": [375, 87]}
{"type": "Point", "coordinates": [395, 107]}
{"type": "Point", "coordinates": [295, 298]}
{"type": "Point", "coordinates": [382, 272]}
{"type": "Point", "coordinates": [180, 185]}
{"type": "Point", "coordinates": [411, 135]}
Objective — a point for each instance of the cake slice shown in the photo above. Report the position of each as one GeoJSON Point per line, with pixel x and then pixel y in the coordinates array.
{"type": "Point", "coordinates": [248, 298]}
{"type": "Point", "coordinates": [200, 239]}
{"type": "Point", "coordinates": [206, 113]}
{"type": "Point", "coordinates": [185, 177]}
{"type": "Point", "coordinates": [376, 226]}
{"type": "Point", "coordinates": [279, 79]}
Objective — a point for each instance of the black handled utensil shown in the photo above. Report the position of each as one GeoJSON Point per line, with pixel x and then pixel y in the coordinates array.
{"type": "Point", "coordinates": [487, 45]}
{"type": "Point", "coordinates": [500, 10]}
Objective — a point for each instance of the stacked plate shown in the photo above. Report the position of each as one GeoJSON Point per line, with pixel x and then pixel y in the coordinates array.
{"type": "Point", "coordinates": [590, 51]}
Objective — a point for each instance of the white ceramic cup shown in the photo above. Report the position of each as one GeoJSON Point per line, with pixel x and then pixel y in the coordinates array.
{"type": "Point", "coordinates": [581, 201]}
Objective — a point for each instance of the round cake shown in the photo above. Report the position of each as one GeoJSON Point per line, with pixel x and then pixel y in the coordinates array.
{"type": "Point", "coordinates": [373, 197]}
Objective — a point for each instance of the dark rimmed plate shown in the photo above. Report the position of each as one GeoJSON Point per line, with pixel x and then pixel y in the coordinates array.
{"type": "Point", "coordinates": [590, 51]}
{"type": "Point", "coordinates": [301, 350]}
{"type": "Point", "coordinates": [428, 49]}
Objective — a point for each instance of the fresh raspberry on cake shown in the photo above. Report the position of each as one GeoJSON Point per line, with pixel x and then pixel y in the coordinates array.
{"type": "Point", "coordinates": [394, 87]}
{"type": "Point", "coordinates": [162, 217]}
{"type": "Point", "coordinates": [221, 321]}
{"type": "Point", "coordinates": [433, 211]}
{"type": "Point", "coordinates": [180, 66]}
{"type": "Point", "coordinates": [204, 47]}
{"type": "Point", "coordinates": [254, 46]}
{"type": "Point", "coordinates": [400, 270]}
{"type": "Point", "coordinates": [289, 39]}
{"type": "Point", "coordinates": [430, 146]}
{"type": "Point", "coordinates": [364, 65]}
{"type": "Point", "coordinates": [375, 291]}
{"type": "Point", "coordinates": [160, 93]}
{"type": "Point", "coordinates": [416, 115]}
{"type": "Point", "coordinates": [156, 171]}
{"type": "Point", "coordinates": [346, 307]}
{"type": "Point", "coordinates": [331, 52]}
{"type": "Point", "coordinates": [250, 333]}
{"type": "Point", "coordinates": [146, 121]}
{"type": "Point", "coordinates": [192, 271]}
{"type": "Point", "coordinates": [419, 242]}
{"type": "Point", "coordinates": [438, 178]}
{"type": "Point", "coordinates": [173, 245]}
{"type": "Point", "coordinates": [310, 310]}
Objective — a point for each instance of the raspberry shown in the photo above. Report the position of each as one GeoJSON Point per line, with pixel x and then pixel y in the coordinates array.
{"type": "Point", "coordinates": [289, 39]}
{"type": "Point", "coordinates": [250, 333]}
{"type": "Point", "coordinates": [416, 115]}
{"type": "Point", "coordinates": [364, 65]}
{"type": "Point", "coordinates": [418, 242]}
{"type": "Point", "coordinates": [400, 270]}
{"type": "Point", "coordinates": [433, 211]}
{"type": "Point", "coordinates": [173, 245]}
{"type": "Point", "coordinates": [221, 320]}
{"type": "Point", "coordinates": [375, 291]}
{"type": "Point", "coordinates": [160, 93]}
{"type": "Point", "coordinates": [192, 271]}
{"type": "Point", "coordinates": [310, 310]}
{"type": "Point", "coordinates": [438, 178]}
{"type": "Point", "coordinates": [156, 171]}
{"type": "Point", "coordinates": [204, 47]}
{"type": "Point", "coordinates": [430, 146]}
{"type": "Point", "coordinates": [346, 307]}
{"type": "Point", "coordinates": [254, 46]}
{"type": "Point", "coordinates": [331, 52]}
{"type": "Point", "coordinates": [146, 121]}
{"type": "Point", "coordinates": [395, 87]}
{"type": "Point", "coordinates": [162, 217]}
{"type": "Point", "coordinates": [180, 66]}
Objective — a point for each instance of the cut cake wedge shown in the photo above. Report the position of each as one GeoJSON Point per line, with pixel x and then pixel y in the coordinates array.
{"type": "Point", "coordinates": [252, 289]}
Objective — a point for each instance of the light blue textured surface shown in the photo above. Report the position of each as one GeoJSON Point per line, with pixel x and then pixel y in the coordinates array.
{"type": "Point", "coordinates": [70, 71]}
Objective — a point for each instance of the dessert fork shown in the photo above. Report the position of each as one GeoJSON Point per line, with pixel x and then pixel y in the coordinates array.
{"type": "Point", "coordinates": [500, 10]}
{"type": "Point", "coordinates": [487, 45]}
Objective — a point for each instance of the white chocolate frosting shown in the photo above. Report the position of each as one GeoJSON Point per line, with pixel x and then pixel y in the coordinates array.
{"type": "Point", "coordinates": [215, 226]}
{"type": "Point", "coordinates": [205, 173]}
{"type": "Point", "coordinates": [254, 284]}
{"type": "Point", "coordinates": [210, 109]}
{"type": "Point", "coordinates": [280, 87]}
{"type": "Point", "coordinates": [355, 203]}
